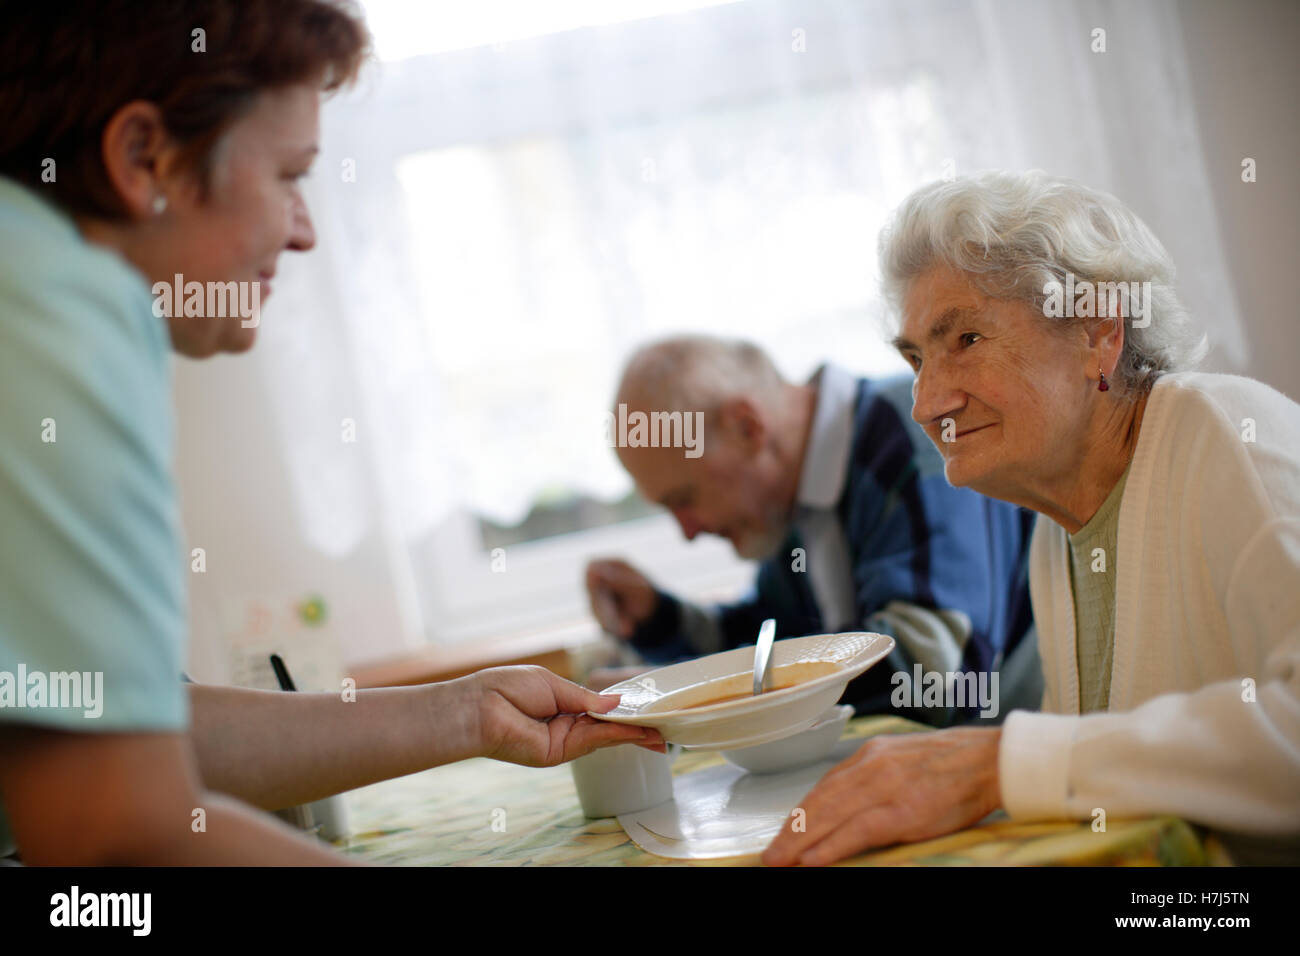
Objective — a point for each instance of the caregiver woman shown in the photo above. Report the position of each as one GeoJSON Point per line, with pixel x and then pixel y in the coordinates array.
{"type": "Point", "coordinates": [127, 156]}
{"type": "Point", "coordinates": [1165, 566]}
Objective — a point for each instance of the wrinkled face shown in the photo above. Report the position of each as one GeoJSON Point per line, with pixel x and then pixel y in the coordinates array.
{"type": "Point", "coordinates": [1002, 395]}
{"type": "Point", "coordinates": [253, 212]}
{"type": "Point", "coordinates": [725, 491]}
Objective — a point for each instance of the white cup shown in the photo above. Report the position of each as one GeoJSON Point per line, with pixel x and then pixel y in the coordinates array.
{"type": "Point", "coordinates": [326, 818]}
{"type": "Point", "coordinates": [331, 814]}
{"type": "Point", "coordinates": [622, 779]}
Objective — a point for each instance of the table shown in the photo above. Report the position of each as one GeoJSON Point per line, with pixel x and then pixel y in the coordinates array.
{"type": "Point", "coordinates": [483, 812]}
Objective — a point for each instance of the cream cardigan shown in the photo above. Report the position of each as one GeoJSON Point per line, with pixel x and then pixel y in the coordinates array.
{"type": "Point", "coordinates": [1204, 717]}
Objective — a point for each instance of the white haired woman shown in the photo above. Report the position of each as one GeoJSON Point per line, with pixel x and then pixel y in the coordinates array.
{"type": "Point", "coordinates": [1052, 366]}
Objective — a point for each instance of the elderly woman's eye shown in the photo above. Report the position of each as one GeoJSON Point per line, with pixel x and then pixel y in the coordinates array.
{"type": "Point", "coordinates": [970, 338]}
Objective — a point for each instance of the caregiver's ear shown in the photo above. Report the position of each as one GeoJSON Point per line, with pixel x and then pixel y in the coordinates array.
{"type": "Point", "coordinates": [138, 155]}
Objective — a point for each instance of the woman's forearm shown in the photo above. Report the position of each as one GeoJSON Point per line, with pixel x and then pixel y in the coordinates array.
{"type": "Point", "coordinates": [275, 749]}
{"type": "Point", "coordinates": [235, 835]}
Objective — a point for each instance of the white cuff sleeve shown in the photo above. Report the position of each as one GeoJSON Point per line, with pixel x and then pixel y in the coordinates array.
{"type": "Point", "coordinates": [1034, 765]}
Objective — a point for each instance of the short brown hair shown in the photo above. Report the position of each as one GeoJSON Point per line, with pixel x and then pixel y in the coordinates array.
{"type": "Point", "coordinates": [67, 68]}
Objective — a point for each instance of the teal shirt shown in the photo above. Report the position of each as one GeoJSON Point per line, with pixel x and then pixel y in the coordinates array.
{"type": "Point", "coordinates": [92, 563]}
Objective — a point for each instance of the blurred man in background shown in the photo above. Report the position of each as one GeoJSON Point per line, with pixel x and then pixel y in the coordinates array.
{"type": "Point", "coordinates": [842, 499]}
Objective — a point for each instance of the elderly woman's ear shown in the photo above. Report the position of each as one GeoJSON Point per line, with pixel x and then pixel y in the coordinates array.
{"type": "Point", "coordinates": [1105, 342]}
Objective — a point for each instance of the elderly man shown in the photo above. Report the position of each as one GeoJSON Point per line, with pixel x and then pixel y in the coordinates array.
{"type": "Point", "coordinates": [841, 496]}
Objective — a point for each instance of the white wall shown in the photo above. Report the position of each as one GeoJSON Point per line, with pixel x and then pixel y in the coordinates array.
{"type": "Point", "coordinates": [237, 506]}
{"type": "Point", "coordinates": [1246, 85]}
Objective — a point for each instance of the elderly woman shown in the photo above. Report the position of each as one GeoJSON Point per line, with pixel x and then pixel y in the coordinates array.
{"type": "Point", "coordinates": [1051, 359]}
{"type": "Point", "coordinates": [144, 139]}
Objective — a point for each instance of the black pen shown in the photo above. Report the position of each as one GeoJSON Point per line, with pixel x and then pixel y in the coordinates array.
{"type": "Point", "coordinates": [282, 673]}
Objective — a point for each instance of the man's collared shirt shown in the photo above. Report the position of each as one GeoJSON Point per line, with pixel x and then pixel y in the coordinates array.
{"type": "Point", "coordinates": [821, 485]}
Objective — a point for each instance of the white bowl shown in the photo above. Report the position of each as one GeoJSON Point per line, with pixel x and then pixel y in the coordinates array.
{"type": "Point", "coordinates": [797, 750]}
{"type": "Point", "coordinates": [817, 668]}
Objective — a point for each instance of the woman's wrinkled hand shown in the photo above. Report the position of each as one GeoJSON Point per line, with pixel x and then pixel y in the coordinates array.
{"type": "Point", "coordinates": [895, 789]}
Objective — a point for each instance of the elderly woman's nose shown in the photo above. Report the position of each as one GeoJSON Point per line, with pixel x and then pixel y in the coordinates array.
{"type": "Point", "coordinates": [933, 393]}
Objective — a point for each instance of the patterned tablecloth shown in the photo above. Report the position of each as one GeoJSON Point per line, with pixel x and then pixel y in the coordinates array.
{"type": "Point", "coordinates": [482, 812]}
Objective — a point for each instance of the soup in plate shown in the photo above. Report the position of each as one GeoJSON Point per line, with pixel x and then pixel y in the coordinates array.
{"type": "Point", "coordinates": [738, 687]}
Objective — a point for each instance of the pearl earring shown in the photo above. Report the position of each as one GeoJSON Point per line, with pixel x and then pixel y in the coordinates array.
{"type": "Point", "coordinates": [159, 203]}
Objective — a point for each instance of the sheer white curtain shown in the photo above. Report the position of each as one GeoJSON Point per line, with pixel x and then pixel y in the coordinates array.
{"type": "Point", "coordinates": [499, 226]}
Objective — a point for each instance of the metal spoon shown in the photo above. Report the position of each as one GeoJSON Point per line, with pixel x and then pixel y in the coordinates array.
{"type": "Point", "coordinates": [763, 655]}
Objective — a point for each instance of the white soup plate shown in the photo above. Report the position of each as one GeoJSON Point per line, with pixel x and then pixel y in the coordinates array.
{"type": "Point", "coordinates": [808, 676]}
